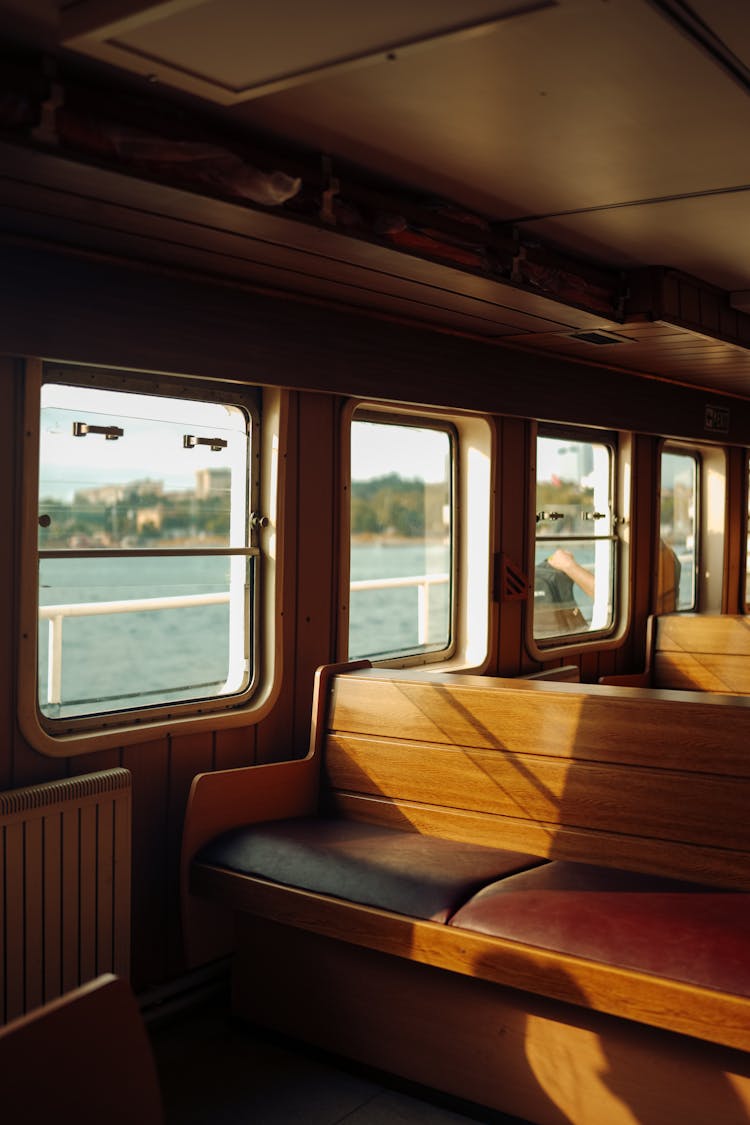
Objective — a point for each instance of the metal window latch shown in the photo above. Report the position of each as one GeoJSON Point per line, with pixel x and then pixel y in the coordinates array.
{"type": "Point", "coordinates": [111, 433]}
{"type": "Point", "coordinates": [257, 520]}
{"type": "Point", "coordinates": [593, 515]}
{"type": "Point", "coordinates": [550, 516]}
{"type": "Point", "coordinates": [215, 444]}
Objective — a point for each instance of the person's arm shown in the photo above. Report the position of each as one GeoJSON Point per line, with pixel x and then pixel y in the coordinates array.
{"type": "Point", "coordinates": [565, 561]}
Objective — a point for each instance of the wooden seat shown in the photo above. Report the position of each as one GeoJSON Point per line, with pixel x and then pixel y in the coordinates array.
{"type": "Point", "coordinates": [83, 1059]}
{"type": "Point", "coordinates": [694, 652]}
{"type": "Point", "coordinates": [649, 786]}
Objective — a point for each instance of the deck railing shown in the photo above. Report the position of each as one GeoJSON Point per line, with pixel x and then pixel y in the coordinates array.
{"type": "Point", "coordinates": [57, 614]}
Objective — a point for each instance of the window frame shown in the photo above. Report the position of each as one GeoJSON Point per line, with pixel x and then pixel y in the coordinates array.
{"type": "Point", "coordinates": [710, 521]}
{"type": "Point", "coordinates": [472, 521]}
{"type": "Point", "coordinates": [543, 649]}
{"type": "Point", "coordinates": [694, 454]}
{"type": "Point", "coordinates": [65, 736]}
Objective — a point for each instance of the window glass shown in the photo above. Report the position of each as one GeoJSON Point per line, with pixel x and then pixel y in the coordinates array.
{"type": "Point", "coordinates": [574, 564]}
{"type": "Point", "coordinates": [677, 581]}
{"type": "Point", "coordinates": [145, 565]}
{"type": "Point", "coordinates": [401, 539]}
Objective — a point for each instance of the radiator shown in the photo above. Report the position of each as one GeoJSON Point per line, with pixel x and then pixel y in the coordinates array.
{"type": "Point", "coordinates": [64, 886]}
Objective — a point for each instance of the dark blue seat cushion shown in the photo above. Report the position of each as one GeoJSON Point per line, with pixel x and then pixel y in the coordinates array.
{"type": "Point", "coordinates": [680, 930]}
{"type": "Point", "coordinates": [421, 876]}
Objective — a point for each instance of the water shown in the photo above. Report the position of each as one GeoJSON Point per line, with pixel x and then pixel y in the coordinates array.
{"type": "Point", "coordinates": [113, 662]}
{"type": "Point", "coordinates": [116, 661]}
{"type": "Point", "coordinates": [127, 660]}
{"type": "Point", "coordinates": [386, 622]}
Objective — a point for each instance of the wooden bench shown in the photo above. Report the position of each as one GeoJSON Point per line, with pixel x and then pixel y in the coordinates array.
{"type": "Point", "coordinates": [694, 652]}
{"type": "Point", "coordinates": [584, 981]}
{"type": "Point", "coordinates": [84, 1058]}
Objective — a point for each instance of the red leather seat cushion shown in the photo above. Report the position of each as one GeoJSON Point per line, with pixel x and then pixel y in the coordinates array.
{"type": "Point", "coordinates": [422, 876]}
{"type": "Point", "coordinates": [683, 931]}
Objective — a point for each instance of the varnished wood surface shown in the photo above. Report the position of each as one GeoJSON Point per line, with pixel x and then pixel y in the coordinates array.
{"type": "Point", "coordinates": [724, 867]}
{"type": "Point", "coordinates": [656, 1001]}
{"type": "Point", "coordinates": [657, 803]}
{"type": "Point", "coordinates": [695, 652]}
{"type": "Point", "coordinates": [83, 1058]}
{"type": "Point", "coordinates": [716, 634]}
{"type": "Point", "coordinates": [582, 721]}
{"type": "Point", "coordinates": [472, 758]}
{"type": "Point", "coordinates": [549, 1062]}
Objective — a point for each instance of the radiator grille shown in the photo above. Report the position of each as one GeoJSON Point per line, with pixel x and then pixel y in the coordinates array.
{"type": "Point", "coordinates": [64, 886]}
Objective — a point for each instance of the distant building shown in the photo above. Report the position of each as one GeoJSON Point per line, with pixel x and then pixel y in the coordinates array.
{"type": "Point", "coordinates": [211, 482]}
{"type": "Point", "coordinates": [109, 494]}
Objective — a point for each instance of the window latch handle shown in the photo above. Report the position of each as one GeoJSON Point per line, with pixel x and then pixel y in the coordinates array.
{"type": "Point", "coordinates": [111, 433]}
{"type": "Point", "coordinates": [550, 516]}
{"type": "Point", "coordinates": [593, 515]}
{"type": "Point", "coordinates": [215, 444]}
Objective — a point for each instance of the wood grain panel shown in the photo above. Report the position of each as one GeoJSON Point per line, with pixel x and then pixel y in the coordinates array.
{"type": "Point", "coordinates": [234, 747]}
{"type": "Point", "coordinates": [34, 912]}
{"type": "Point", "coordinates": [660, 804]}
{"type": "Point", "coordinates": [13, 918]}
{"type": "Point", "coordinates": [702, 633]}
{"type": "Point", "coordinates": [149, 766]}
{"type": "Point", "coordinates": [298, 344]}
{"type": "Point", "coordinates": [512, 496]}
{"type": "Point", "coordinates": [189, 755]}
{"type": "Point", "coordinates": [703, 671]}
{"type": "Point", "coordinates": [585, 721]}
{"type": "Point", "coordinates": [733, 592]}
{"type": "Point", "coordinates": [9, 432]}
{"type": "Point", "coordinates": [524, 1055]}
{"type": "Point", "coordinates": [675, 1005]}
{"type": "Point", "coordinates": [723, 867]}
{"type": "Point", "coordinates": [316, 568]}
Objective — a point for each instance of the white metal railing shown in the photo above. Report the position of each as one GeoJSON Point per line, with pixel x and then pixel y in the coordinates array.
{"type": "Point", "coordinates": [423, 582]}
{"type": "Point", "coordinates": [56, 614]}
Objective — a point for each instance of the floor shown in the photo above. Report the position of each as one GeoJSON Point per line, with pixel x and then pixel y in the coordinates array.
{"type": "Point", "coordinates": [215, 1071]}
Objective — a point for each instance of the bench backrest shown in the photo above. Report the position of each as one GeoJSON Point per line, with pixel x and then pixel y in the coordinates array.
{"type": "Point", "coordinates": [701, 652]}
{"type": "Point", "coordinates": [640, 779]}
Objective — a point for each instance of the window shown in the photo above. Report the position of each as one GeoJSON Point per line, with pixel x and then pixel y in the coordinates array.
{"type": "Point", "coordinates": [575, 547]}
{"type": "Point", "coordinates": [401, 537]}
{"type": "Point", "coordinates": [147, 560]}
{"type": "Point", "coordinates": [678, 531]}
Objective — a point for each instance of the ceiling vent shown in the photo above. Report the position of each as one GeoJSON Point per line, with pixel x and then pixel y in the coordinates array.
{"type": "Point", "coordinates": [599, 338]}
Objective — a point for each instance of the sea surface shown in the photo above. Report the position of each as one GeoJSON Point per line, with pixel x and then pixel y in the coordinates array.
{"type": "Point", "coordinates": [116, 661]}
{"type": "Point", "coordinates": [121, 660]}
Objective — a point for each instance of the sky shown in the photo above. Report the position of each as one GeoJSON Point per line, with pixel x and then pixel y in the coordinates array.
{"type": "Point", "coordinates": [150, 448]}
{"type": "Point", "coordinates": [410, 451]}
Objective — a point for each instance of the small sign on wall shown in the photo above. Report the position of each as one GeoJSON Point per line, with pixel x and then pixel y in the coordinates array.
{"type": "Point", "coordinates": [717, 419]}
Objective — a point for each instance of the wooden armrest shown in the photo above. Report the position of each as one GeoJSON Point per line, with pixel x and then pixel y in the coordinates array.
{"type": "Point", "coordinates": [631, 679]}
{"type": "Point", "coordinates": [84, 1057]}
{"type": "Point", "coordinates": [225, 799]}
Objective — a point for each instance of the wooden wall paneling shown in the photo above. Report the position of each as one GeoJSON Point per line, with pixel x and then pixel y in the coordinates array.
{"type": "Point", "coordinates": [515, 470]}
{"type": "Point", "coordinates": [89, 763]}
{"type": "Point", "coordinates": [642, 547]}
{"type": "Point", "coordinates": [9, 432]}
{"type": "Point", "coordinates": [234, 747]}
{"type": "Point", "coordinates": [189, 754]}
{"type": "Point", "coordinates": [735, 561]}
{"type": "Point", "coordinates": [318, 524]}
{"type": "Point", "coordinates": [275, 733]}
{"type": "Point", "coordinates": [543, 1060]}
{"type": "Point", "coordinates": [136, 319]}
{"type": "Point", "coordinates": [149, 765]}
